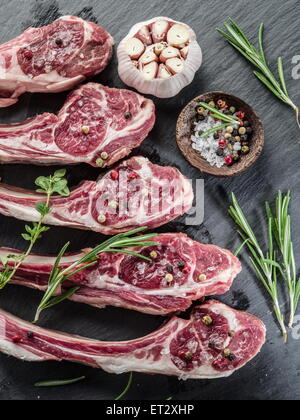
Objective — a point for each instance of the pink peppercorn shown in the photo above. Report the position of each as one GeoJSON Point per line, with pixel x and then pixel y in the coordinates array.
{"type": "Point", "coordinates": [222, 143]}
{"type": "Point", "coordinates": [241, 115]}
{"type": "Point", "coordinates": [228, 160]}
{"type": "Point", "coordinates": [114, 175]}
{"type": "Point", "coordinates": [16, 339]}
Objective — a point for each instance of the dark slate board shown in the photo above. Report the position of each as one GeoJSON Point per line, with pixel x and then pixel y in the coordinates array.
{"type": "Point", "coordinates": [274, 374]}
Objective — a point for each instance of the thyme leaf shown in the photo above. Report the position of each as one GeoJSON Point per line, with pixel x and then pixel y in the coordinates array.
{"type": "Point", "coordinates": [48, 186]}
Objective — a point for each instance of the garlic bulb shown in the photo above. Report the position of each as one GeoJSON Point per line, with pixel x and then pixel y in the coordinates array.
{"type": "Point", "coordinates": [159, 57]}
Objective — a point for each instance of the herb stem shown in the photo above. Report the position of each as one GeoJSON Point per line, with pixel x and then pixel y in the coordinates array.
{"type": "Point", "coordinates": [237, 39]}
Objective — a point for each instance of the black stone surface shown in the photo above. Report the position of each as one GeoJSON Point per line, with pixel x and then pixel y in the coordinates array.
{"type": "Point", "coordinates": [274, 374]}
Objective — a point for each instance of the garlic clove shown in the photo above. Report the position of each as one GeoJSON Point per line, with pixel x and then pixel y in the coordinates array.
{"type": "Point", "coordinates": [158, 48]}
{"type": "Point", "coordinates": [163, 72]}
{"type": "Point", "coordinates": [178, 35]}
{"type": "Point", "coordinates": [169, 52]}
{"type": "Point", "coordinates": [184, 52]}
{"type": "Point", "coordinates": [150, 70]}
{"type": "Point", "coordinates": [134, 48]}
{"type": "Point", "coordinates": [144, 35]}
{"type": "Point", "coordinates": [148, 57]}
{"type": "Point", "coordinates": [159, 30]}
{"type": "Point", "coordinates": [175, 65]}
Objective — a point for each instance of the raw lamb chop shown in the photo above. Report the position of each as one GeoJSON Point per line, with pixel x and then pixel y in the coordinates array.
{"type": "Point", "coordinates": [97, 125]}
{"type": "Point", "coordinates": [53, 58]}
{"type": "Point", "coordinates": [213, 343]}
{"type": "Point", "coordinates": [181, 271]}
{"type": "Point", "coordinates": [135, 194]}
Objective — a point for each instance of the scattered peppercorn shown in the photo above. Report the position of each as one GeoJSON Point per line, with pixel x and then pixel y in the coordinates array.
{"type": "Point", "coordinates": [245, 150]}
{"type": "Point", "coordinates": [85, 129]}
{"type": "Point", "coordinates": [235, 132]}
{"type": "Point", "coordinates": [216, 136]}
{"type": "Point", "coordinates": [181, 265]}
{"type": "Point", "coordinates": [246, 123]}
{"type": "Point", "coordinates": [114, 175]}
{"type": "Point", "coordinates": [241, 115]}
{"type": "Point", "coordinates": [128, 115]}
{"type": "Point", "coordinates": [16, 339]}
{"type": "Point", "coordinates": [212, 104]}
{"type": "Point", "coordinates": [200, 110]}
{"type": "Point", "coordinates": [170, 269]}
{"type": "Point", "coordinates": [244, 137]}
{"type": "Point", "coordinates": [242, 130]}
{"type": "Point", "coordinates": [249, 130]}
{"type": "Point", "coordinates": [222, 143]}
{"type": "Point", "coordinates": [104, 155]}
{"type": "Point", "coordinates": [169, 278]}
{"type": "Point", "coordinates": [153, 254]}
{"type": "Point", "coordinates": [228, 160]}
{"type": "Point", "coordinates": [229, 129]}
{"type": "Point", "coordinates": [207, 320]}
{"type": "Point", "coordinates": [202, 277]}
{"type": "Point", "coordinates": [58, 42]}
{"type": "Point", "coordinates": [100, 162]}
{"type": "Point", "coordinates": [232, 109]}
{"type": "Point", "coordinates": [201, 117]}
{"type": "Point", "coordinates": [101, 218]}
{"type": "Point", "coordinates": [30, 335]}
{"type": "Point", "coordinates": [220, 152]}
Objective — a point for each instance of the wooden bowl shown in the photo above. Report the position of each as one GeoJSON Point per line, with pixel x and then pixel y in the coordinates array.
{"type": "Point", "coordinates": [184, 131]}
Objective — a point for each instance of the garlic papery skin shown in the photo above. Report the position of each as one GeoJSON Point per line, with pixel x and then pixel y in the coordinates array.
{"type": "Point", "coordinates": [132, 75]}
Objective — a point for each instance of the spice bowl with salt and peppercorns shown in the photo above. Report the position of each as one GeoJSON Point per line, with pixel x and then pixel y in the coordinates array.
{"type": "Point", "coordinates": [220, 134]}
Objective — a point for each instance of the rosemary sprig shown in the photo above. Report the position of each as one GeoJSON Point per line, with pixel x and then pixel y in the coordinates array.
{"type": "Point", "coordinates": [58, 382]}
{"type": "Point", "coordinates": [281, 227]}
{"type": "Point", "coordinates": [126, 389]}
{"type": "Point", "coordinates": [229, 120]}
{"type": "Point", "coordinates": [237, 38]}
{"type": "Point", "coordinates": [114, 244]}
{"type": "Point", "coordinates": [48, 186]}
{"type": "Point", "coordinates": [265, 264]}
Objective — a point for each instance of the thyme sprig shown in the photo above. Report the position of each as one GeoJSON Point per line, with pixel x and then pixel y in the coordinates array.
{"type": "Point", "coordinates": [281, 227]}
{"type": "Point", "coordinates": [53, 184]}
{"type": "Point", "coordinates": [263, 263]}
{"type": "Point", "coordinates": [215, 113]}
{"type": "Point", "coordinates": [256, 56]}
{"type": "Point", "coordinates": [117, 244]}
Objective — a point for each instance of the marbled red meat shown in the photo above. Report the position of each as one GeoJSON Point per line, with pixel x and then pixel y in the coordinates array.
{"type": "Point", "coordinates": [180, 348]}
{"type": "Point", "coordinates": [95, 120]}
{"type": "Point", "coordinates": [130, 282]}
{"type": "Point", "coordinates": [123, 199]}
{"type": "Point", "coordinates": [53, 58]}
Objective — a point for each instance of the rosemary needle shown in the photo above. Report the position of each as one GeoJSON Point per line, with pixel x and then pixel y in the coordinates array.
{"type": "Point", "coordinates": [54, 383]}
{"type": "Point", "coordinates": [126, 389]}
{"type": "Point", "coordinates": [256, 56]}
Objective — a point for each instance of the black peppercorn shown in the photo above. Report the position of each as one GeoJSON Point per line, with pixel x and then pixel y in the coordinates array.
{"type": "Point", "coordinates": [249, 130]}
{"type": "Point", "coordinates": [216, 136]}
{"type": "Point", "coordinates": [201, 117]}
{"type": "Point", "coordinates": [244, 137]}
{"type": "Point", "coordinates": [231, 357]}
{"type": "Point", "coordinates": [246, 123]}
{"type": "Point", "coordinates": [220, 152]}
{"type": "Point", "coordinates": [235, 133]}
{"type": "Point", "coordinates": [30, 334]}
{"type": "Point", "coordinates": [58, 42]}
{"type": "Point", "coordinates": [128, 115]}
{"type": "Point", "coordinates": [170, 269]}
{"type": "Point", "coordinates": [181, 265]}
